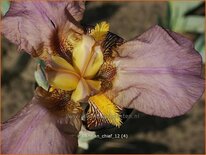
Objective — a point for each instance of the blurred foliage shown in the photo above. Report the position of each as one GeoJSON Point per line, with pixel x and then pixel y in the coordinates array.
{"type": "Point", "coordinates": [4, 6]}
{"type": "Point", "coordinates": [187, 18]}
{"type": "Point", "coordinates": [200, 45]}
{"type": "Point", "coordinates": [180, 18]}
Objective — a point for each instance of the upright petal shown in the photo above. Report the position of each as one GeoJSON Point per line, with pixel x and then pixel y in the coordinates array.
{"type": "Point", "coordinates": [35, 131]}
{"type": "Point", "coordinates": [58, 63]}
{"type": "Point", "coordinates": [83, 52]}
{"type": "Point", "coordinates": [30, 24]}
{"type": "Point", "coordinates": [62, 80]}
{"type": "Point", "coordinates": [95, 63]}
{"type": "Point", "coordinates": [94, 85]}
{"type": "Point", "coordinates": [159, 73]}
{"type": "Point", "coordinates": [81, 92]}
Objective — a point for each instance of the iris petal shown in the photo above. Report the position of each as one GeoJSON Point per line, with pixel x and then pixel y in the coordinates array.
{"type": "Point", "coordinates": [33, 128]}
{"type": "Point", "coordinates": [60, 63]}
{"type": "Point", "coordinates": [81, 91]}
{"type": "Point", "coordinates": [62, 80]}
{"type": "Point", "coordinates": [29, 24]}
{"type": "Point", "coordinates": [82, 52]}
{"type": "Point", "coordinates": [95, 63]}
{"type": "Point", "coordinates": [96, 85]}
{"type": "Point", "coordinates": [158, 73]}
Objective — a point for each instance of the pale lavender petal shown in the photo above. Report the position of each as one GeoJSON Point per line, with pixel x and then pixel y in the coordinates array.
{"type": "Point", "coordinates": [35, 130]}
{"type": "Point", "coordinates": [158, 73]}
{"type": "Point", "coordinates": [31, 24]}
{"type": "Point", "coordinates": [76, 9]}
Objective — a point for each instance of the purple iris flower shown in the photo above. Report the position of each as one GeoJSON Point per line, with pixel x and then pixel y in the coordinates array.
{"type": "Point", "coordinates": [157, 73]}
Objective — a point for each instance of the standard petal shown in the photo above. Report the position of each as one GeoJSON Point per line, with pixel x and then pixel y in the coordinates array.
{"type": "Point", "coordinates": [62, 80]}
{"type": "Point", "coordinates": [159, 73]}
{"type": "Point", "coordinates": [81, 92]}
{"type": "Point", "coordinates": [59, 63]}
{"type": "Point", "coordinates": [95, 63]}
{"type": "Point", "coordinates": [82, 53]}
{"type": "Point", "coordinates": [34, 131]}
{"type": "Point", "coordinates": [94, 85]}
{"type": "Point", "coordinates": [30, 24]}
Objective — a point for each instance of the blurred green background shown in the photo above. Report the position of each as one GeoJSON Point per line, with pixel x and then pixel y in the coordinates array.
{"type": "Point", "coordinates": [146, 134]}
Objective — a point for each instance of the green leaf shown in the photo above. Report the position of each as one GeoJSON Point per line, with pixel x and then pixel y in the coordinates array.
{"type": "Point", "coordinates": [195, 24]}
{"type": "Point", "coordinates": [40, 75]}
{"type": "Point", "coordinates": [200, 46]}
{"type": "Point", "coordinates": [181, 23]}
{"type": "Point", "coordinates": [165, 21]}
{"type": "Point", "coordinates": [4, 6]}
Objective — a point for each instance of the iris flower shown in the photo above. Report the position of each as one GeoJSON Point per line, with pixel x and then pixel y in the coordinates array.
{"type": "Point", "coordinates": [157, 73]}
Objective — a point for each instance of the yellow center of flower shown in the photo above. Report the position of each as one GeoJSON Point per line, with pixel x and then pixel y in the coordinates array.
{"type": "Point", "coordinates": [87, 59]}
{"type": "Point", "coordinates": [78, 76]}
